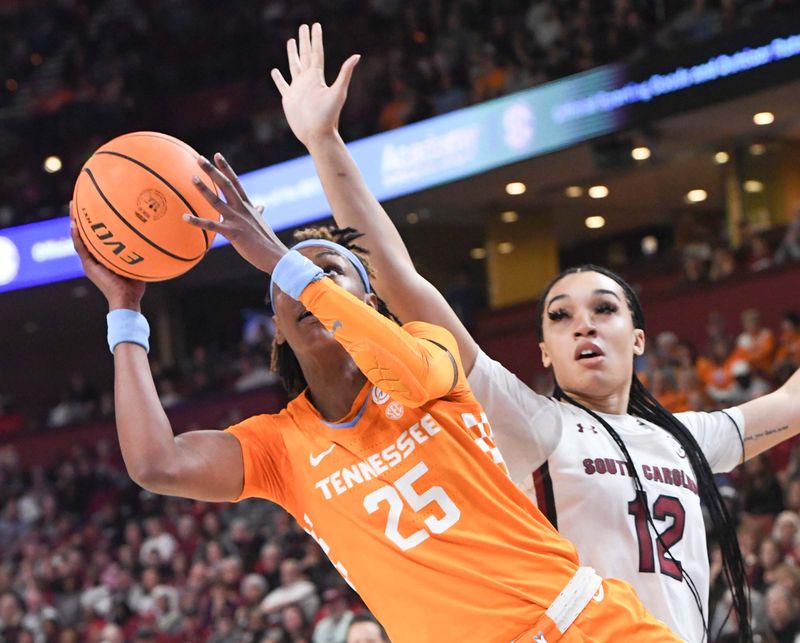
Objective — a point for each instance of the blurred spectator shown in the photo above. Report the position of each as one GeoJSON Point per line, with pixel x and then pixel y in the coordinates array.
{"type": "Point", "coordinates": [723, 264]}
{"type": "Point", "coordinates": [255, 373]}
{"type": "Point", "coordinates": [747, 385]}
{"type": "Point", "coordinates": [789, 247]}
{"type": "Point", "coordinates": [159, 546]}
{"type": "Point", "coordinates": [763, 494]}
{"type": "Point", "coordinates": [293, 589]}
{"type": "Point", "coordinates": [787, 357]}
{"type": "Point", "coordinates": [365, 629]}
{"type": "Point", "coordinates": [334, 627]}
{"type": "Point", "coordinates": [782, 614]}
{"type": "Point", "coordinates": [295, 624]}
{"type": "Point", "coordinates": [79, 403]}
{"type": "Point", "coordinates": [756, 343]}
{"type": "Point", "coordinates": [716, 371]}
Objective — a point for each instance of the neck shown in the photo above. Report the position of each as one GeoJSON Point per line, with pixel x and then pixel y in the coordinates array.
{"type": "Point", "coordinates": [613, 403]}
{"type": "Point", "coordinates": [333, 379]}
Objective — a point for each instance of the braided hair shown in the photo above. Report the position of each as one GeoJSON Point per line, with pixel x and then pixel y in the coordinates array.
{"type": "Point", "coordinates": [283, 360]}
{"type": "Point", "coordinates": [643, 404]}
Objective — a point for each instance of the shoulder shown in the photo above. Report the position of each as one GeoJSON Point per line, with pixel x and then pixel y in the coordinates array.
{"type": "Point", "coordinates": [261, 429]}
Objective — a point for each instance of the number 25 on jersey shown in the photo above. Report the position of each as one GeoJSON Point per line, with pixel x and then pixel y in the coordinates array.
{"type": "Point", "coordinates": [403, 493]}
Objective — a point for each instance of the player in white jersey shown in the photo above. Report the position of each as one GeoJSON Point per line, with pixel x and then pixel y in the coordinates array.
{"type": "Point", "coordinates": [646, 528]}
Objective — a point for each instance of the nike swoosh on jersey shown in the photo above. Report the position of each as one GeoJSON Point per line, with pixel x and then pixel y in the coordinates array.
{"type": "Point", "coordinates": [315, 460]}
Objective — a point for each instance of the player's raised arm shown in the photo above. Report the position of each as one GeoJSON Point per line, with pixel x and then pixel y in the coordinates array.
{"type": "Point", "coordinates": [204, 465]}
{"type": "Point", "coordinates": [312, 110]}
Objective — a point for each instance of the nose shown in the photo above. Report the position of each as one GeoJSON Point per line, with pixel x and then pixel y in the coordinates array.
{"type": "Point", "coordinates": [584, 325]}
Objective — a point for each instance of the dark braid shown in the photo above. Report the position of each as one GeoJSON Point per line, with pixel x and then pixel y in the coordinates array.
{"type": "Point", "coordinates": [284, 361]}
{"type": "Point", "coordinates": [643, 404]}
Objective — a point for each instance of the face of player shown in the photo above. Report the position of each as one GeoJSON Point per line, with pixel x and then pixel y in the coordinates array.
{"type": "Point", "coordinates": [364, 632]}
{"type": "Point", "coordinates": [589, 338]}
{"type": "Point", "coordinates": [297, 326]}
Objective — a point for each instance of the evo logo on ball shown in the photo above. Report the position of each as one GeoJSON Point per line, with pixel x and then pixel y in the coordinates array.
{"type": "Point", "coordinates": [105, 235]}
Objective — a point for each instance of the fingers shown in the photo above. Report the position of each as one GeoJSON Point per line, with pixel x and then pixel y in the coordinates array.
{"type": "Point", "coordinates": [204, 224]}
{"type": "Point", "coordinates": [346, 73]}
{"type": "Point", "coordinates": [221, 181]}
{"type": "Point", "coordinates": [83, 253]}
{"type": "Point", "coordinates": [294, 58]}
{"type": "Point", "coordinates": [317, 50]}
{"type": "Point", "coordinates": [280, 81]}
{"type": "Point", "coordinates": [227, 170]}
{"type": "Point", "coordinates": [305, 46]}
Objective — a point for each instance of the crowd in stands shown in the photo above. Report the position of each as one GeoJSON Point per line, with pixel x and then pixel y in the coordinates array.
{"type": "Point", "coordinates": [85, 555]}
{"type": "Point", "coordinates": [707, 257]}
{"type": "Point", "coordinates": [76, 73]}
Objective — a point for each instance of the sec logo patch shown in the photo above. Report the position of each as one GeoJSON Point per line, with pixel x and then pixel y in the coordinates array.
{"type": "Point", "coordinates": [394, 410]}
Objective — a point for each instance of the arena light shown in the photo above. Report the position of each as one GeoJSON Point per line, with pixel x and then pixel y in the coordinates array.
{"type": "Point", "coordinates": [36, 59]}
{"type": "Point", "coordinates": [649, 245]}
{"type": "Point", "coordinates": [598, 192]}
{"type": "Point", "coordinates": [753, 187]}
{"type": "Point", "coordinates": [595, 222]}
{"type": "Point", "coordinates": [478, 253]}
{"type": "Point", "coordinates": [758, 149]}
{"type": "Point", "coordinates": [764, 118]}
{"type": "Point", "coordinates": [720, 158]}
{"type": "Point", "coordinates": [697, 195]}
{"type": "Point", "coordinates": [515, 188]}
{"type": "Point", "coordinates": [505, 247]}
{"type": "Point", "coordinates": [640, 153]}
{"type": "Point", "coordinates": [12, 85]}
{"type": "Point", "coordinates": [412, 218]}
{"type": "Point", "coordinates": [52, 164]}
{"type": "Point", "coordinates": [574, 191]}
{"type": "Point", "coordinates": [509, 216]}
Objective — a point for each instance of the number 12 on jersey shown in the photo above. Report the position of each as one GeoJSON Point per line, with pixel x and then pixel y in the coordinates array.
{"type": "Point", "coordinates": [403, 490]}
{"type": "Point", "coordinates": [664, 507]}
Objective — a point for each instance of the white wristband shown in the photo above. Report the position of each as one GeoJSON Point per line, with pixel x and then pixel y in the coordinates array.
{"type": "Point", "coordinates": [127, 326]}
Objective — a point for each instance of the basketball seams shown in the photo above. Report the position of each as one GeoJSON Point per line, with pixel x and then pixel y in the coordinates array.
{"type": "Point", "coordinates": [165, 182]}
{"type": "Point", "coordinates": [98, 254]}
{"type": "Point", "coordinates": [133, 228]}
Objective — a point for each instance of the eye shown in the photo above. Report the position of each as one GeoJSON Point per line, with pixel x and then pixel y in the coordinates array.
{"type": "Point", "coordinates": [607, 307]}
{"type": "Point", "coordinates": [334, 268]}
{"type": "Point", "coordinates": [557, 314]}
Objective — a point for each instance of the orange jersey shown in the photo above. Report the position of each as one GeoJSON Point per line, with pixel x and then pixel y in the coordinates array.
{"type": "Point", "coordinates": [410, 499]}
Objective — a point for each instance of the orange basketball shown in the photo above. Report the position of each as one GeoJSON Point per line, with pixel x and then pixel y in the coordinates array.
{"type": "Point", "coordinates": [129, 201]}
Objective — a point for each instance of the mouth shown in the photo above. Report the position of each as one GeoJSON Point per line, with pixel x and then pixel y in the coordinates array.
{"type": "Point", "coordinates": [589, 353]}
{"type": "Point", "coordinates": [305, 316]}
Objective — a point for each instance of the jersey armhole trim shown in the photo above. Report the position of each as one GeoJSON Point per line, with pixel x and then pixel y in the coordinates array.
{"type": "Point", "coordinates": [739, 432]}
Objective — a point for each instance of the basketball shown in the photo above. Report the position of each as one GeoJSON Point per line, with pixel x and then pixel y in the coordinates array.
{"type": "Point", "coordinates": [129, 201]}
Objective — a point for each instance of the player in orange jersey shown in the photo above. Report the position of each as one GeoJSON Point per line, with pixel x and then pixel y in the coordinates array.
{"type": "Point", "coordinates": [385, 457]}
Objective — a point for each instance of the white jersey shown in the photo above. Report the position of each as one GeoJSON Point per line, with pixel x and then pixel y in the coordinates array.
{"type": "Point", "coordinates": [570, 466]}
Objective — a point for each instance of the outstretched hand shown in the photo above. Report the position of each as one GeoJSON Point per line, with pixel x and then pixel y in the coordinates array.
{"type": "Point", "coordinates": [241, 223]}
{"type": "Point", "coordinates": [311, 107]}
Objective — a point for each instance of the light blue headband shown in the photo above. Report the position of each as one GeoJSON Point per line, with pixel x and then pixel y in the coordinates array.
{"type": "Point", "coordinates": [350, 256]}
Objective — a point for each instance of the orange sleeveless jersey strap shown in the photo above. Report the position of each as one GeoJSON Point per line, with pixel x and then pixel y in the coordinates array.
{"type": "Point", "coordinates": [413, 364]}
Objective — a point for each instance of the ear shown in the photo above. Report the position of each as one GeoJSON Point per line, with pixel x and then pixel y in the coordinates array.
{"type": "Point", "coordinates": [279, 336]}
{"type": "Point", "coordinates": [371, 299]}
{"type": "Point", "coordinates": [546, 361]}
{"type": "Point", "coordinates": [638, 342]}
